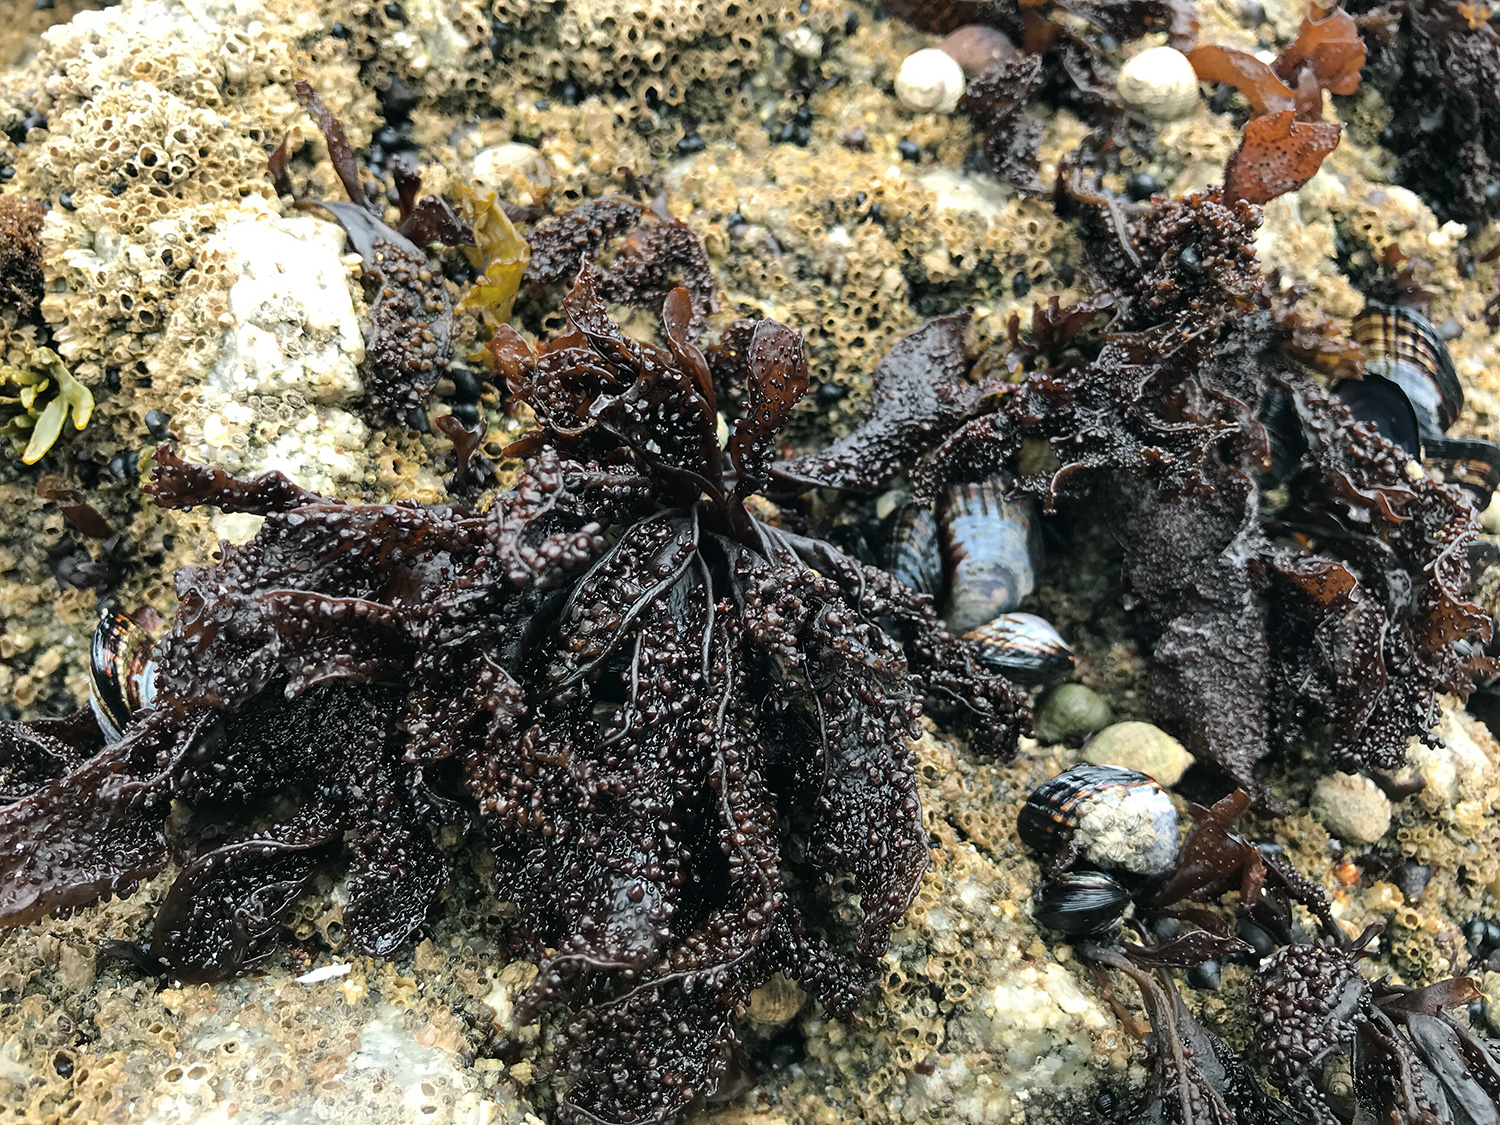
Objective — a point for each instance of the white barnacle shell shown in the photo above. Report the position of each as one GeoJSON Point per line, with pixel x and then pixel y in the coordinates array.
{"type": "Point", "coordinates": [803, 42]}
{"type": "Point", "coordinates": [1159, 83]}
{"type": "Point", "coordinates": [1131, 828]}
{"type": "Point", "coordinates": [930, 81]}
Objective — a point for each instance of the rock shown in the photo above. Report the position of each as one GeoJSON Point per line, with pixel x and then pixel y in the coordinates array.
{"type": "Point", "coordinates": [1071, 712]}
{"type": "Point", "coordinates": [930, 81]}
{"type": "Point", "coordinates": [1142, 747]}
{"type": "Point", "coordinates": [1352, 807]}
{"type": "Point", "coordinates": [1490, 518]}
{"type": "Point", "coordinates": [975, 46]}
{"type": "Point", "coordinates": [495, 166]}
{"type": "Point", "coordinates": [1454, 767]}
{"type": "Point", "coordinates": [293, 326]}
{"type": "Point", "coordinates": [1159, 83]}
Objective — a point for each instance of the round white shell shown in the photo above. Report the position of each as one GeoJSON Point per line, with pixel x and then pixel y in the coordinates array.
{"type": "Point", "coordinates": [930, 81]}
{"type": "Point", "coordinates": [1160, 83]}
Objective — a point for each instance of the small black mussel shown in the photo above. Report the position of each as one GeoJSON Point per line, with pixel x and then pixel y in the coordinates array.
{"type": "Point", "coordinates": [122, 672]}
{"type": "Point", "coordinates": [1117, 819]}
{"type": "Point", "coordinates": [1023, 647]}
{"type": "Point", "coordinates": [911, 552]}
{"type": "Point", "coordinates": [1080, 903]}
{"type": "Point", "coordinates": [992, 547]}
{"type": "Point", "coordinates": [1411, 393]}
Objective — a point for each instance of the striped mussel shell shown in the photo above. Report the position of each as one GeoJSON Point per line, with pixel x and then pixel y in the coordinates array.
{"type": "Point", "coordinates": [1400, 345]}
{"type": "Point", "coordinates": [1120, 820]}
{"type": "Point", "coordinates": [992, 548]}
{"type": "Point", "coordinates": [1022, 647]}
{"type": "Point", "coordinates": [1412, 395]}
{"type": "Point", "coordinates": [911, 553]}
{"type": "Point", "coordinates": [1080, 903]}
{"type": "Point", "coordinates": [122, 672]}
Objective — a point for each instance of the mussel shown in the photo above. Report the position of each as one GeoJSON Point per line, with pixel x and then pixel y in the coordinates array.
{"type": "Point", "coordinates": [1118, 819]}
{"type": "Point", "coordinates": [1412, 395]}
{"type": "Point", "coordinates": [1023, 647]}
{"type": "Point", "coordinates": [911, 552]}
{"type": "Point", "coordinates": [1080, 903]}
{"type": "Point", "coordinates": [122, 672]}
{"type": "Point", "coordinates": [992, 546]}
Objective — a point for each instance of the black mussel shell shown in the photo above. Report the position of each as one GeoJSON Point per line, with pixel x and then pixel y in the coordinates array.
{"type": "Point", "coordinates": [122, 672]}
{"type": "Point", "coordinates": [1401, 345]}
{"type": "Point", "coordinates": [1284, 436]}
{"type": "Point", "coordinates": [1386, 406]}
{"type": "Point", "coordinates": [992, 547]}
{"type": "Point", "coordinates": [1080, 903]}
{"type": "Point", "coordinates": [1022, 647]}
{"type": "Point", "coordinates": [1047, 819]}
{"type": "Point", "coordinates": [912, 553]}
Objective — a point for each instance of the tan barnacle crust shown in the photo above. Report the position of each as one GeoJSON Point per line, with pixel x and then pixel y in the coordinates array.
{"type": "Point", "coordinates": [979, 1020]}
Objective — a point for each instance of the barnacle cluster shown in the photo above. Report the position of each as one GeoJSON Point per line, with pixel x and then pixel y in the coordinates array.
{"type": "Point", "coordinates": [643, 691]}
{"type": "Point", "coordinates": [411, 318]}
{"type": "Point", "coordinates": [1060, 61]}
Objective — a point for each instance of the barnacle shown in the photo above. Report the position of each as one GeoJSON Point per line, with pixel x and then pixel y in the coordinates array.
{"type": "Point", "coordinates": [1061, 61]}
{"type": "Point", "coordinates": [669, 721]}
{"type": "Point", "coordinates": [35, 402]}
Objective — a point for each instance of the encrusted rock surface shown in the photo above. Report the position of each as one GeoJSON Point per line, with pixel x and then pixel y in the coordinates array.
{"type": "Point", "coordinates": [178, 282]}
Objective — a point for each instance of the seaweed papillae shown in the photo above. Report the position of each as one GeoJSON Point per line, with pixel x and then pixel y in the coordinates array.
{"type": "Point", "coordinates": [670, 717]}
{"type": "Point", "coordinates": [670, 724]}
{"type": "Point", "coordinates": [1309, 1010]}
{"type": "Point", "coordinates": [1332, 612]}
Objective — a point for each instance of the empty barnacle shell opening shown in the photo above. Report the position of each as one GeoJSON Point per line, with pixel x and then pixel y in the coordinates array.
{"type": "Point", "coordinates": [645, 703]}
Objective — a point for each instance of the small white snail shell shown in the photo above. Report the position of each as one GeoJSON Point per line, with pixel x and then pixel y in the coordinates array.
{"type": "Point", "coordinates": [930, 81]}
{"type": "Point", "coordinates": [1159, 83]}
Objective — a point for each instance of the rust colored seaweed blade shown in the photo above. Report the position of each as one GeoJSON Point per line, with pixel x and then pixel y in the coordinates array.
{"type": "Point", "coordinates": [1278, 155]}
{"type": "Point", "coordinates": [1265, 91]}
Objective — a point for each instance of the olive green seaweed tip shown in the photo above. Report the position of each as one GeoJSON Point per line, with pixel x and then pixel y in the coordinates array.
{"type": "Point", "coordinates": [34, 404]}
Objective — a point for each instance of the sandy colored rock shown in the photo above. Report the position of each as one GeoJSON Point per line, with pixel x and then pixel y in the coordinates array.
{"type": "Point", "coordinates": [1353, 807]}
{"type": "Point", "coordinates": [1142, 747]}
